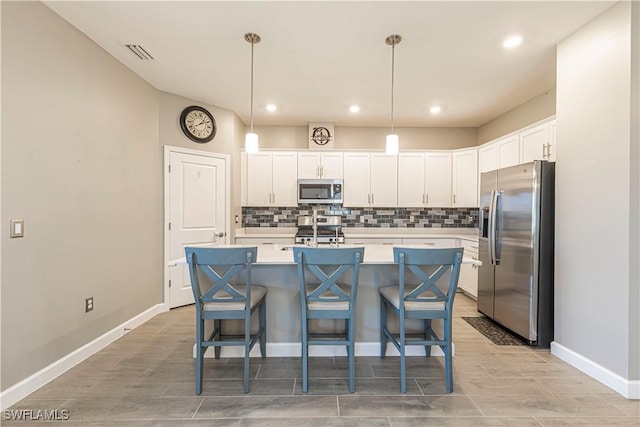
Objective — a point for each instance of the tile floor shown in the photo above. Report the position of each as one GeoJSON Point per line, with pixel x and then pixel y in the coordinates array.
{"type": "Point", "coordinates": [146, 378]}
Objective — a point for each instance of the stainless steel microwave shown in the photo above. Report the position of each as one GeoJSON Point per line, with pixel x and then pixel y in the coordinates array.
{"type": "Point", "coordinates": [320, 191]}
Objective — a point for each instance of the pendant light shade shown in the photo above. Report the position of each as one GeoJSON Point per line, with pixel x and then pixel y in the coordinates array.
{"type": "Point", "coordinates": [393, 142]}
{"type": "Point", "coordinates": [251, 142]}
{"type": "Point", "coordinates": [251, 138]}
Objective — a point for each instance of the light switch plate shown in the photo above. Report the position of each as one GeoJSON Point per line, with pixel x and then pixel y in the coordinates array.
{"type": "Point", "coordinates": [17, 228]}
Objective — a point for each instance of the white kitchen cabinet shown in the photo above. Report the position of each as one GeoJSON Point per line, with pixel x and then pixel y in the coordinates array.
{"type": "Point", "coordinates": [508, 151]}
{"type": "Point", "coordinates": [465, 178]}
{"type": "Point", "coordinates": [320, 165]}
{"type": "Point", "coordinates": [536, 143]}
{"type": "Point", "coordinates": [370, 179]}
{"type": "Point", "coordinates": [553, 147]}
{"type": "Point", "coordinates": [357, 179]}
{"type": "Point", "coordinates": [424, 179]}
{"type": "Point", "coordinates": [271, 179]}
{"type": "Point", "coordinates": [468, 279]}
{"type": "Point", "coordinates": [488, 158]}
{"type": "Point", "coordinates": [438, 182]}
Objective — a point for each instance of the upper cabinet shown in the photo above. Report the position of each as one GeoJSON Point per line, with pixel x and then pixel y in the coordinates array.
{"type": "Point", "coordinates": [488, 158]}
{"type": "Point", "coordinates": [316, 165]}
{"type": "Point", "coordinates": [272, 179]}
{"type": "Point", "coordinates": [465, 178]}
{"type": "Point", "coordinates": [508, 151]}
{"type": "Point", "coordinates": [424, 179]}
{"type": "Point", "coordinates": [370, 179]}
{"type": "Point", "coordinates": [538, 143]}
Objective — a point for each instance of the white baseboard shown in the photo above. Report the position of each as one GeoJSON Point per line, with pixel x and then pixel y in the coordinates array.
{"type": "Point", "coordinates": [627, 388]}
{"type": "Point", "coordinates": [27, 386]}
{"type": "Point", "coordinates": [290, 349]}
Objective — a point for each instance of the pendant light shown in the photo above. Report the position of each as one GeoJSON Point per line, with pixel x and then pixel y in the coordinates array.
{"type": "Point", "coordinates": [251, 139]}
{"type": "Point", "coordinates": [393, 143]}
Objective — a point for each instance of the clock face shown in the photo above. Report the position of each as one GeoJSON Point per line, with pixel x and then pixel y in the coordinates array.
{"type": "Point", "coordinates": [198, 124]}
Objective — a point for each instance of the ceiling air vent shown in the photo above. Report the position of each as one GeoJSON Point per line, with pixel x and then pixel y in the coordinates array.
{"type": "Point", "coordinates": [140, 51]}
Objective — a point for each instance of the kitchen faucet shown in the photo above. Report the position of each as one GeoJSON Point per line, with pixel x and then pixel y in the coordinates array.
{"type": "Point", "coordinates": [314, 243]}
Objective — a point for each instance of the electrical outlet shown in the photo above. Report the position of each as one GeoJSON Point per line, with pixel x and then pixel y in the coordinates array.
{"type": "Point", "coordinates": [88, 304]}
{"type": "Point", "coordinates": [275, 218]}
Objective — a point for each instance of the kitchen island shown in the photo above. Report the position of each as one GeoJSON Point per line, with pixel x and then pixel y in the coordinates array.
{"type": "Point", "coordinates": [276, 270]}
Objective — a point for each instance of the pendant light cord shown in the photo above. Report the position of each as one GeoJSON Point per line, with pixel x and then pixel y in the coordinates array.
{"type": "Point", "coordinates": [252, 87]}
{"type": "Point", "coordinates": [393, 50]}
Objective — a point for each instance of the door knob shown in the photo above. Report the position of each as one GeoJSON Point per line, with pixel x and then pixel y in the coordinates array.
{"type": "Point", "coordinates": [221, 234]}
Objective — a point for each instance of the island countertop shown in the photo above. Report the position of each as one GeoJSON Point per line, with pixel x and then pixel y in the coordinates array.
{"type": "Point", "coordinates": [283, 254]}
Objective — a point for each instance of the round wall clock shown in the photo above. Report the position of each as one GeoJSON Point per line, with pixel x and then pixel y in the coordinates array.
{"type": "Point", "coordinates": [198, 124]}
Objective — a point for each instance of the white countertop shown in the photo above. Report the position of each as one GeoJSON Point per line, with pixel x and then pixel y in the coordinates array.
{"type": "Point", "coordinates": [283, 255]}
{"type": "Point", "coordinates": [351, 232]}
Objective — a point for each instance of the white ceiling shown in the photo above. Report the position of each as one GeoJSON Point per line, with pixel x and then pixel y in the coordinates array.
{"type": "Point", "coordinates": [317, 58]}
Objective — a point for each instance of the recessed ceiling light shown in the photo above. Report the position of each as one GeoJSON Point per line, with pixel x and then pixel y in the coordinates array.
{"type": "Point", "coordinates": [354, 108]}
{"type": "Point", "coordinates": [271, 107]}
{"type": "Point", "coordinates": [512, 42]}
{"type": "Point", "coordinates": [435, 109]}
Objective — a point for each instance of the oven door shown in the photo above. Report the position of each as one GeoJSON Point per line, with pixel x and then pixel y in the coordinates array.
{"type": "Point", "coordinates": [320, 191]}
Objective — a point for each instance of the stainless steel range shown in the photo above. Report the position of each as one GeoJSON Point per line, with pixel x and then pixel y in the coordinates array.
{"type": "Point", "coordinates": [328, 229]}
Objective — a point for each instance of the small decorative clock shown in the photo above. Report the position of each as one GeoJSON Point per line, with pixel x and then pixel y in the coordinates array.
{"type": "Point", "coordinates": [198, 124]}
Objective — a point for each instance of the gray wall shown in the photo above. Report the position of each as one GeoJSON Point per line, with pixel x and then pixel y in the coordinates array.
{"type": "Point", "coordinates": [537, 108]}
{"type": "Point", "coordinates": [81, 165]}
{"type": "Point", "coordinates": [597, 256]}
{"type": "Point", "coordinates": [229, 139]}
{"type": "Point", "coordinates": [370, 138]}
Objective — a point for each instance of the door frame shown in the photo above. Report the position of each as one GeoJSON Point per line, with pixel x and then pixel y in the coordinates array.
{"type": "Point", "coordinates": [168, 149]}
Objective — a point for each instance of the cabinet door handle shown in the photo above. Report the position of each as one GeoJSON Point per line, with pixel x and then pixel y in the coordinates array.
{"type": "Point", "coordinates": [454, 199]}
{"type": "Point", "coordinates": [427, 199]}
{"type": "Point", "coordinates": [548, 150]}
{"type": "Point", "coordinates": [372, 199]}
{"type": "Point", "coordinates": [321, 171]}
{"type": "Point", "coordinates": [544, 150]}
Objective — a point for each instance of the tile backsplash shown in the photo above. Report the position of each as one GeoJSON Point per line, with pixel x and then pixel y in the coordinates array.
{"type": "Point", "coordinates": [365, 217]}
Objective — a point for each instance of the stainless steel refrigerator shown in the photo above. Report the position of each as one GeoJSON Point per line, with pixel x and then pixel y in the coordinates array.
{"type": "Point", "coordinates": [515, 281]}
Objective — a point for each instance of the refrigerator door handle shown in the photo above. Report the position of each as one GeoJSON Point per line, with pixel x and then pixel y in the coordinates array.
{"type": "Point", "coordinates": [493, 208]}
{"type": "Point", "coordinates": [497, 238]}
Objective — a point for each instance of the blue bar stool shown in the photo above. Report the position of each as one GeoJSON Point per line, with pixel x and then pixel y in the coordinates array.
{"type": "Point", "coordinates": [425, 301]}
{"type": "Point", "coordinates": [323, 297]}
{"type": "Point", "coordinates": [211, 271]}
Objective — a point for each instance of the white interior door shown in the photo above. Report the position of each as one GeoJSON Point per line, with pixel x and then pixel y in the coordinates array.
{"type": "Point", "coordinates": [198, 187]}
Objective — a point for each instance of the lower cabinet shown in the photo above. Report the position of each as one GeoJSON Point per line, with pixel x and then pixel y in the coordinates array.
{"type": "Point", "coordinates": [468, 280]}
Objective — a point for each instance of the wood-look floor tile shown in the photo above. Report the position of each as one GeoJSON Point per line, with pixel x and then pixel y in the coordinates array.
{"type": "Point", "coordinates": [364, 387]}
{"type": "Point", "coordinates": [268, 407]}
{"type": "Point", "coordinates": [589, 421]}
{"type": "Point", "coordinates": [316, 422]}
{"type": "Point", "coordinates": [188, 422]}
{"type": "Point", "coordinates": [317, 369]}
{"type": "Point", "coordinates": [463, 421]}
{"type": "Point", "coordinates": [409, 406]}
{"type": "Point", "coordinates": [234, 387]}
{"type": "Point", "coordinates": [473, 385]}
{"type": "Point", "coordinates": [131, 408]}
{"type": "Point", "coordinates": [544, 406]}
